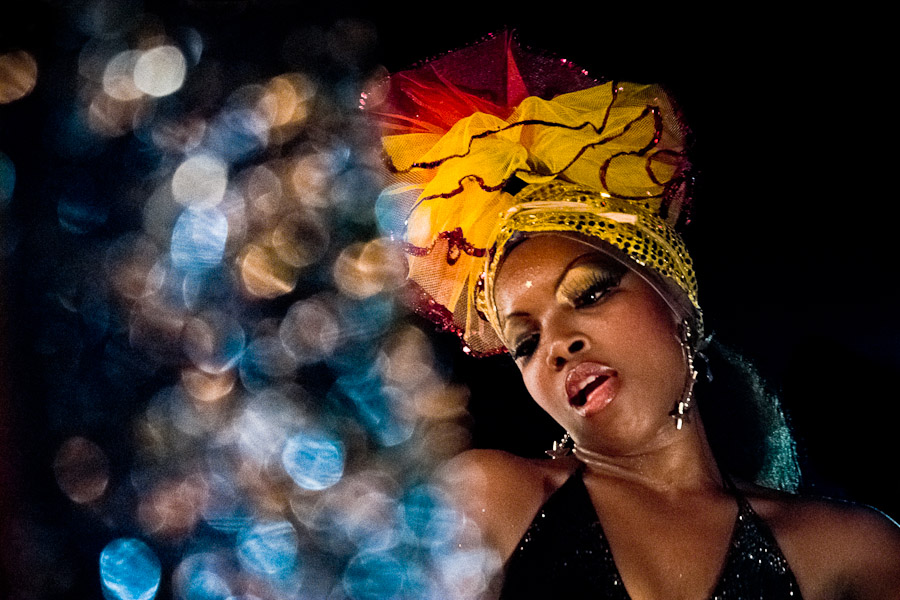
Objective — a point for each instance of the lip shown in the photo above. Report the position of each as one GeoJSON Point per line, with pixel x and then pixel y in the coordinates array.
{"type": "Point", "coordinates": [590, 387]}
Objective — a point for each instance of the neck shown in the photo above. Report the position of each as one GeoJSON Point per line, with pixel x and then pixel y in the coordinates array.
{"type": "Point", "coordinates": [685, 463]}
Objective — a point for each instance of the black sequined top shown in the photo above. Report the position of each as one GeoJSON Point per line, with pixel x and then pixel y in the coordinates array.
{"type": "Point", "coordinates": [565, 554]}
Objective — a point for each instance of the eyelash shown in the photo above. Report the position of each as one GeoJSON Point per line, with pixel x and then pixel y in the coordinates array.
{"type": "Point", "coordinates": [526, 347]}
{"type": "Point", "coordinates": [597, 287]}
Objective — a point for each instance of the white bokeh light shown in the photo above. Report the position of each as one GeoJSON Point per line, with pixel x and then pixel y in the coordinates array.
{"type": "Point", "coordinates": [160, 71]}
{"type": "Point", "coordinates": [200, 181]}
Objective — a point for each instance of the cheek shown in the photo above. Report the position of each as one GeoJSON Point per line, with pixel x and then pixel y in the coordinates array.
{"type": "Point", "coordinates": [538, 386]}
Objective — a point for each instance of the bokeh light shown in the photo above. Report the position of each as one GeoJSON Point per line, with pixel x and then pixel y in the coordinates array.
{"type": "Point", "coordinates": [231, 375]}
{"type": "Point", "coordinates": [160, 71]}
{"type": "Point", "coordinates": [373, 576]}
{"type": "Point", "coordinates": [269, 548]}
{"type": "Point", "coordinates": [200, 181]}
{"type": "Point", "coordinates": [214, 342]}
{"type": "Point", "coordinates": [118, 76]}
{"type": "Point", "coordinates": [314, 461]}
{"type": "Point", "coordinates": [264, 274]}
{"type": "Point", "coordinates": [129, 570]}
{"type": "Point", "coordinates": [198, 239]}
{"type": "Point", "coordinates": [18, 75]}
{"type": "Point", "coordinates": [81, 469]}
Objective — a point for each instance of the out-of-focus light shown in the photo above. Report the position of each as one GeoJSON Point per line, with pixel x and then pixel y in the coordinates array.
{"type": "Point", "coordinates": [129, 570]}
{"type": "Point", "coordinates": [264, 193]}
{"type": "Point", "coordinates": [180, 135]}
{"type": "Point", "coordinates": [284, 101]}
{"type": "Point", "coordinates": [363, 270]}
{"type": "Point", "coordinates": [376, 407]}
{"type": "Point", "coordinates": [173, 508]}
{"type": "Point", "coordinates": [155, 328]}
{"type": "Point", "coordinates": [439, 401]}
{"type": "Point", "coordinates": [261, 429]}
{"type": "Point", "coordinates": [392, 204]}
{"type": "Point", "coordinates": [18, 75]}
{"type": "Point", "coordinates": [409, 359]}
{"type": "Point", "coordinates": [128, 262]}
{"type": "Point", "coordinates": [309, 178]}
{"type": "Point", "coordinates": [118, 76]}
{"type": "Point", "coordinates": [467, 572]}
{"type": "Point", "coordinates": [238, 133]}
{"type": "Point", "coordinates": [314, 461]}
{"type": "Point", "coordinates": [160, 71]}
{"type": "Point", "coordinates": [266, 362]}
{"type": "Point", "coordinates": [203, 576]}
{"type": "Point", "coordinates": [81, 469]}
{"type": "Point", "coordinates": [365, 320]}
{"type": "Point", "coordinates": [112, 117]}
{"type": "Point", "coordinates": [269, 548]}
{"type": "Point", "coordinates": [429, 516]}
{"type": "Point", "coordinates": [310, 330]}
{"type": "Point", "coordinates": [214, 342]}
{"type": "Point", "coordinates": [223, 511]}
{"type": "Point", "coordinates": [198, 239]}
{"type": "Point", "coordinates": [265, 275]}
{"type": "Point", "coordinates": [300, 239]}
{"type": "Point", "coordinates": [373, 576]}
{"type": "Point", "coordinates": [200, 181]}
{"type": "Point", "coordinates": [207, 387]}
{"type": "Point", "coordinates": [7, 178]}
{"type": "Point", "coordinates": [363, 506]}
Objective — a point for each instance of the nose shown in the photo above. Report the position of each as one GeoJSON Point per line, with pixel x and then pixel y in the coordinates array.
{"type": "Point", "coordinates": [565, 348]}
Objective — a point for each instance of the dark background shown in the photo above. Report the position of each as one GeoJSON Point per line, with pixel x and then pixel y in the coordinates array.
{"type": "Point", "coordinates": [794, 221]}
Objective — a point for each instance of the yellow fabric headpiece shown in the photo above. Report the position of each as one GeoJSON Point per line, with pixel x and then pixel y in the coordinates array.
{"type": "Point", "coordinates": [605, 162]}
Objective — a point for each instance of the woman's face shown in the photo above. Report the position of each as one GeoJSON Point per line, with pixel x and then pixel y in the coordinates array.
{"type": "Point", "coordinates": [597, 346]}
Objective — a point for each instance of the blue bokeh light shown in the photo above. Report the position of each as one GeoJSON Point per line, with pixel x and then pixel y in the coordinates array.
{"type": "Point", "coordinates": [129, 570]}
{"type": "Point", "coordinates": [203, 576]}
{"type": "Point", "coordinates": [269, 548]}
{"type": "Point", "coordinates": [374, 576]}
{"type": "Point", "coordinates": [314, 460]}
{"type": "Point", "coordinates": [198, 239]}
{"type": "Point", "coordinates": [429, 516]}
{"type": "Point", "coordinates": [238, 134]}
{"type": "Point", "coordinates": [375, 406]}
{"type": "Point", "coordinates": [387, 215]}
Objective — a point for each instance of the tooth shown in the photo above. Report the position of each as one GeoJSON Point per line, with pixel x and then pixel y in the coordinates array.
{"type": "Point", "coordinates": [588, 381]}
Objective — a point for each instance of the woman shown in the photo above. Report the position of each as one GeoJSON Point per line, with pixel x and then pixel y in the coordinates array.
{"type": "Point", "coordinates": [540, 211]}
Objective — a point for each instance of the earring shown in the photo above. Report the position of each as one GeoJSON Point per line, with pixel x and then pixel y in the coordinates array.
{"type": "Point", "coordinates": [562, 447]}
{"type": "Point", "coordinates": [682, 409]}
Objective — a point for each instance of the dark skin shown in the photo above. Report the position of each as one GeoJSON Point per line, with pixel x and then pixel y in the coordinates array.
{"type": "Point", "coordinates": [656, 489]}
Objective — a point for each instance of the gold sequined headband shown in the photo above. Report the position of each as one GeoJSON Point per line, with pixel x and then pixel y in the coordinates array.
{"type": "Point", "coordinates": [602, 161]}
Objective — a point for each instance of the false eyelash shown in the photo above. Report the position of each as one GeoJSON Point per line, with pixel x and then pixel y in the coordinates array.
{"type": "Point", "coordinates": [525, 348]}
{"type": "Point", "coordinates": [592, 287]}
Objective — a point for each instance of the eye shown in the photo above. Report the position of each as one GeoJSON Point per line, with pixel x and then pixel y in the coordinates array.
{"type": "Point", "coordinates": [525, 347]}
{"type": "Point", "coordinates": [586, 284]}
{"type": "Point", "coordinates": [595, 290]}
{"type": "Point", "coordinates": [594, 293]}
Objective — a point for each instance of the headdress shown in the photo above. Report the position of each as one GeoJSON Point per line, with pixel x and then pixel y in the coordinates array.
{"type": "Point", "coordinates": [493, 141]}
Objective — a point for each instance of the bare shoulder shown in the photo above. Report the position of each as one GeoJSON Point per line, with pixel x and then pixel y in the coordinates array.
{"type": "Point", "coordinates": [502, 492]}
{"type": "Point", "coordinates": [836, 549]}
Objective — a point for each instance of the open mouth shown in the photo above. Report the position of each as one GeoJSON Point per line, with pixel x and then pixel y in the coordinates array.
{"type": "Point", "coordinates": [592, 383]}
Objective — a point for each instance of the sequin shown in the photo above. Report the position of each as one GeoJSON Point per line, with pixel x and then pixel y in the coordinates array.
{"type": "Point", "coordinates": [565, 554]}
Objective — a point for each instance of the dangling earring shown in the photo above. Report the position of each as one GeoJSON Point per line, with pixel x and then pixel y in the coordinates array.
{"type": "Point", "coordinates": [562, 447]}
{"type": "Point", "coordinates": [682, 409]}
